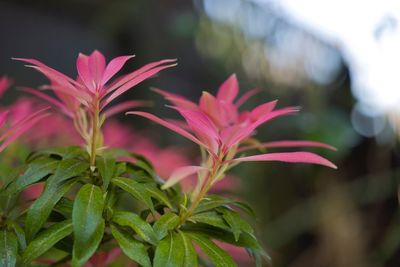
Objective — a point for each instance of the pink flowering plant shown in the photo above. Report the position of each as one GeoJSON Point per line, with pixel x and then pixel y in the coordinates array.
{"type": "Point", "coordinates": [114, 195]}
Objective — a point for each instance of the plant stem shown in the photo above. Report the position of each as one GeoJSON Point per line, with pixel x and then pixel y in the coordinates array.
{"type": "Point", "coordinates": [204, 189]}
{"type": "Point", "coordinates": [95, 132]}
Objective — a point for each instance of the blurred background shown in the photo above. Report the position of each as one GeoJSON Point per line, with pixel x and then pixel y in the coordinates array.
{"type": "Point", "coordinates": [339, 60]}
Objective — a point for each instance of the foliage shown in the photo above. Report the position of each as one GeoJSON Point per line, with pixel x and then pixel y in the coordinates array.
{"type": "Point", "coordinates": [96, 198]}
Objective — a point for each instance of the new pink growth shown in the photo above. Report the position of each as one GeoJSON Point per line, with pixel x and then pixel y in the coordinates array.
{"type": "Point", "coordinates": [93, 80]}
{"type": "Point", "coordinates": [216, 124]}
{"type": "Point", "coordinates": [17, 126]}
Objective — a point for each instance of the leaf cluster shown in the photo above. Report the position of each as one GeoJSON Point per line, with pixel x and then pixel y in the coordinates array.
{"type": "Point", "coordinates": [119, 202]}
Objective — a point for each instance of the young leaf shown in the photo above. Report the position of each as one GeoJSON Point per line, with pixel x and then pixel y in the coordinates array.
{"type": "Point", "coordinates": [42, 207]}
{"type": "Point", "coordinates": [88, 223]}
{"type": "Point", "coordinates": [165, 223]}
{"type": "Point", "coordinates": [190, 255]}
{"type": "Point", "coordinates": [217, 255]}
{"type": "Point", "coordinates": [8, 249]}
{"type": "Point", "coordinates": [132, 248]}
{"type": "Point", "coordinates": [35, 172]}
{"type": "Point", "coordinates": [141, 227]}
{"type": "Point", "coordinates": [106, 168]}
{"type": "Point", "coordinates": [46, 240]}
{"type": "Point", "coordinates": [135, 189]}
{"type": "Point", "coordinates": [169, 252]}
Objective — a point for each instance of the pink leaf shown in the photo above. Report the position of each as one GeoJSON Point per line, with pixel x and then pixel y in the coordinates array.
{"type": "Point", "coordinates": [168, 125]}
{"type": "Point", "coordinates": [291, 157]}
{"type": "Point", "coordinates": [123, 80]}
{"type": "Point", "coordinates": [180, 174]}
{"type": "Point", "coordinates": [287, 143]}
{"type": "Point", "coordinates": [51, 73]}
{"type": "Point", "coordinates": [49, 99]}
{"type": "Point", "coordinates": [113, 67]}
{"type": "Point", "coordinates": [17, 130]}
{"type": "Point", "coordinates": [177, 100]}
{"type": "Point", "coordinates": [3, 117]}
{"type": "Point", "coordinates": [229, 89]}
{"type": "Point", "coordinates": [97, 65]}
{"type": "Point", "coordinates": [263, 110]}
{"type": "Point", "coordinates": [246, 96]}
{"type": "Point", "coordinates": [202, 126]}
{"type": "Point", "coordinates": [120, 107]}
{"type": "Point", "coordinates": [82, 65]}
{"type": "Point", "coordinates": [133, 82]}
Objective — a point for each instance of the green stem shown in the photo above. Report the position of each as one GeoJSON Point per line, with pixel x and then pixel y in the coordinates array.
{"type": "Point", "coordinates": [199, 197]}
{"type": "Point", "coordinates": [95, 132]}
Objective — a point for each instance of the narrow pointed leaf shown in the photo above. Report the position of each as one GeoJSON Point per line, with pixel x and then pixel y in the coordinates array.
{"type": "Point", "coordinates": [35, 172]}
{"type": "Point", "coordinates": [169, 252]}
{"type": "Point", "coordinates": [229, 89]}
{"type": "Point", "coordinates": [168, 125]}
{"type": "Point", "coordinates": [210, 218]}
{"type": "Point", "coordinates": [236, 223]}
{"type": "Point", "coordinates": [20, 235]}
{"type": "Point", "coordinates": [132, 248]}
{"type": "Point", "coordinates": [42, 207]}
{"type": "Point", "coordinates": [156, 193]}
{"type": "Point", "coordinates": [292, 157]}
{"type": "Point", "coordinates": [217, 255]}
{"type": "Point", "coordinates": [180, 174]}
{"type": "Point", "coordinates": [288, 143]}
{"type": "Point", "coordinates": [134, 188]}
{"type": "Point", "coordinates": [141, 227]}
{"type": "Point", "coordinates": [8, 248]}
{"type": "Point", "coordinates": [46, 240]}
{"type": "Point", "coordinates": [88, 223]}
{"type": "Point", "coordinates": [165, 223]}
{"type": "Point", "coordinates": [69, 168]}
{"type": "Point", "coordinates": [190, 255]}
{"type": "Point", "coordinates": [106, 168]}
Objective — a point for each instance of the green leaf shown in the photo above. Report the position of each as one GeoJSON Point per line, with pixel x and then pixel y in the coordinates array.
{"type": "Point", "coordinates": [65, 206]}
{"type": "Point", "coordinates": [165, 223]}
{"type": "Point", "coordinates": [8, 248]}
{"type": "Point", "coordinates": [35, 172]}
{"type": "Point", "coordinates": [132, 248]}
{"type": "Point", "coordinates": [210, 218]}
{"type": "Point", "coordinates": [46, 240]}
{"type": "Point", "coordinates": [217, 255]}
{"type": "Point", "coordinates": [42, 207]}
{"type": "Point", "coordinates": [157, 194]}
{"type": "Point", "coordinates": [106, 168]}
{"type": "Point", "coordinates": [214, 201]}
{"type": "Point", "coordinates": [211, 202]}
{"type": "Point", "coordinates": [190, 255]}
{"type": "Point", "coordinates": [141, 227]}
{"type": "Point", "coordinates": [245, 240]}
{"type": "Point", "coordinates": [20, 235]}
{"type": "Point", "coordinates": [64, 152]}
{"type": "Point", "coordinates": [136, 189]}
{"type": "Point", "coordinates": [169, 252]}
{"type": "Point", "coordinates": [69, 168]}
{"type": "Point", "coordinates": [236, 223]}
{"type": "Point", "coordinates": [88, 223]}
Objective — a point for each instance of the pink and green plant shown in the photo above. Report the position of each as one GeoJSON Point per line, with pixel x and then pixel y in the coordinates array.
{"type": "Point", "coordinates": [102, 199]}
